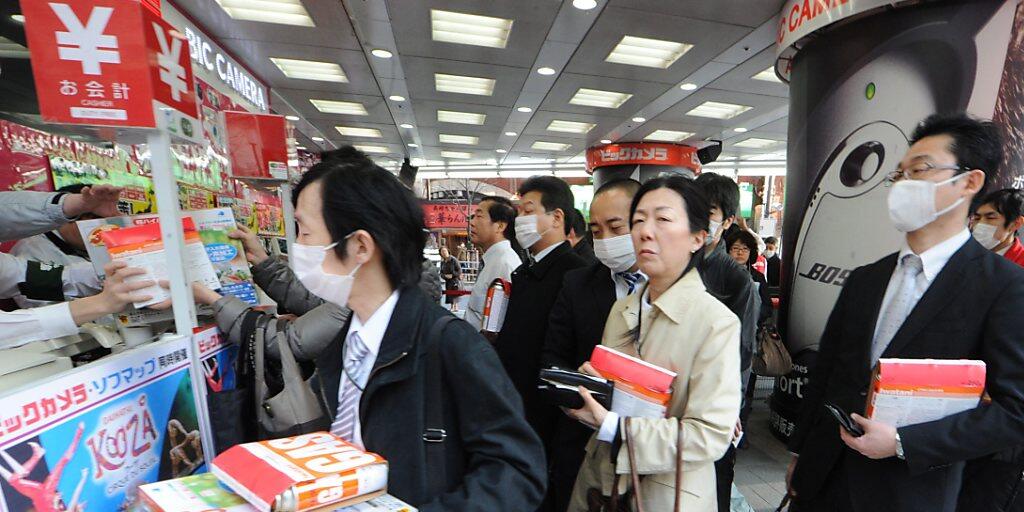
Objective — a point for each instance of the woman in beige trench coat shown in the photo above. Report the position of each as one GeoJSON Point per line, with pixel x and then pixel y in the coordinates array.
{"type": "Point", "coordinates": [675, 324]}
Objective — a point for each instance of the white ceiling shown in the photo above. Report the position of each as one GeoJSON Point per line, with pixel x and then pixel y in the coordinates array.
{"type": "Point", "coordinates": [732, 40]}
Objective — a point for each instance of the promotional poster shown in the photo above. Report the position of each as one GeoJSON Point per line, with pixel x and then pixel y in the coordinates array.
{"type": "Point", "coordinates": [87, 439]}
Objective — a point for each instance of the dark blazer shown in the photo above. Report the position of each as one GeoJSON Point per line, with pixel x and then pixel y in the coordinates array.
{"type": "Point", "coordinates": [493, 460]}
{"type": "Point", "coordinates": [585, 250]}
{"type": "Point", "coordinates": [732, 285]}
{"type": "Point", "coordinates": [576, 325]}
{"type": "Point", "coordinates": [774, 266]}
{"type": "Point", "coordinates": [521, 341]}
{"type": "Point", "coordinates": [972, 310]}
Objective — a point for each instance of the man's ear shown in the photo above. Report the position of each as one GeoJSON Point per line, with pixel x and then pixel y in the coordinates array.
{"type": "Point", "coordinates": [1016, 224]}
{"type": "Point", "coordinates": [975, 180]}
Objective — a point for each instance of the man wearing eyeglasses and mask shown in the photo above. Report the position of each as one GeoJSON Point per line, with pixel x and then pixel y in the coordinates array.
{"type": "Point", "coordinates": [942, 296]}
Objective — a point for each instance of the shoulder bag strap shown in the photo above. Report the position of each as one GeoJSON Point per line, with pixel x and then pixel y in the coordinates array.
{"type": "Point", "coordinates": [434, 433]}
{"type": "Point", "coordinates": [638, 501]}
{"type": "Point", "coordinates": [260, 391]}
{"type": "Point", "coordinates": [679, 469]}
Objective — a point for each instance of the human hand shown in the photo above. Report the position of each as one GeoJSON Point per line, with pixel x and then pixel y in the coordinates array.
{"type": "Point", "coordinates": [878, 441]}
{"type": "Point", "coordinates": [116, 296]}
{"type": "Point", "coordinates": [200, 293]}
{"type": "Point", "coordinates": [737, 430]}
{"type": "Point", "coordinates": [585, 368]}
{"type": "Point", "coordinates": [592, 413]}
{"type": "Point", "coordinates": [100, 200]}
{"type": "Point", "coordinates": [254, 251]}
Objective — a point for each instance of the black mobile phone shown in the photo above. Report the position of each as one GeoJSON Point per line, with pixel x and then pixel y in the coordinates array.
{"type": "Point", "coordinates": [845, 421]}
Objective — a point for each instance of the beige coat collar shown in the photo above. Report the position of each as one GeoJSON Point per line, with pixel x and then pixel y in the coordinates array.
{"type": "Point", "coordinates": [673, 303]}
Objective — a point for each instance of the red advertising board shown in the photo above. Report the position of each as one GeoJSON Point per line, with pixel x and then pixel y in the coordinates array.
{"type": "Point", "coordinates": [257, 145]}
{"type": "Point", "coordinates": [438, 215]}
{"type": "Point", "coordinates": [643, 153]}
{"type": "Point", "coordinates": [109, 63]}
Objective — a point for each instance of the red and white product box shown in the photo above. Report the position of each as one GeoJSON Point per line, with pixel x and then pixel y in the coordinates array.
{"type": "Point", "coordinates": [301, 473]}
{"type": "Point", "coordinates": [110, 63]}
{"type": "Point", "coordinates": [910, 391]}
{"type": "Point", "coordinates": [641, 388]}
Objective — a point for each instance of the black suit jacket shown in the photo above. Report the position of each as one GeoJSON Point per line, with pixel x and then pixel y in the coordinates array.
{"type": "Point", "coordinates": [585, 250]}
{"type": "Point", "coordinates": [774, 266]}
{"type": "Point", "coordinates": [488, 445]}
{"type": "Point", "coordinates": [521, 341]}
{"type": "Point", "coordinates": [972, 310]}
{"type": "Point", "coordinates": [578, 316]}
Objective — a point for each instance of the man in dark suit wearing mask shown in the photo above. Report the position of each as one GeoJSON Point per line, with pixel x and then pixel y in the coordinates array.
{"type": "Point", "coordinates": [942, 296]}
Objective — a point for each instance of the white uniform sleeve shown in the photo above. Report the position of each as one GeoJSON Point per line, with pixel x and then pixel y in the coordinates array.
{"type": "Point", "coordinates": [80, 280]}
{"type": "Point", "coordinates": [27, 325]}
{"type": "Point", "coordinates": [12, 272]}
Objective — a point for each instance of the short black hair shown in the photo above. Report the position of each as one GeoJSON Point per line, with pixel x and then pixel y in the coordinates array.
{"type": "Point", "coordinates": [555, 194]}
{"type": "Point", "coordinates": [579, 223]}
{"type": "Point", "coordinates": [345, 153]}
{"type": "Point", "coordinates": [721, 191]}
{"type": "Point", "coordinates": [1009, 202]}
{"type": "Point", "coordinates": [771, 240]}
{"type": "Point", "coordinates": [357, 194]}
{"type": "Point", "coordinates": [501, 210]}
{"type": "Point", "coordinates": [627, 185]}
{"type": "Point", "coordinates": [976, 144]}
{"type": "Point", "coordinates": [746, 238]}
{"type": "Point", "coordinates": [74, 188]}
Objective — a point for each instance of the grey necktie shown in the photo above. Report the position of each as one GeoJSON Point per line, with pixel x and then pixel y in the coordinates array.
{"type": "Point", "coordinates": [900, 307]}
{"type": "Point", "coordinates": [348, 405]}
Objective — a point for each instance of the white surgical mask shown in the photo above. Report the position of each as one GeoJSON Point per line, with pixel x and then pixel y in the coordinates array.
{"type": "Point", "coordinates": [769, 254]}
{"type": "Point", "coordinates": [307, 261]}
{"type": "Point", "coordinates": [912, 203]}
{"type": "Point", "coordinates": [985, 234]}
{"type": "Point", "coordinates": [526, 231]}
{"type": "Point", "coordinates": [713, 227]}
{"type": "Point", "coordinates": [616, 253]}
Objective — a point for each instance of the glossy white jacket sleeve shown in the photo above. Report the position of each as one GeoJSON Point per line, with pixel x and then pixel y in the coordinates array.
{"type": "Point", "coordinates": [26, 325]}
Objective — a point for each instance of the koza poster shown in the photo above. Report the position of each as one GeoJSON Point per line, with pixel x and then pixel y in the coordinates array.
{"type": "Point", "coordinates": [86, 440]}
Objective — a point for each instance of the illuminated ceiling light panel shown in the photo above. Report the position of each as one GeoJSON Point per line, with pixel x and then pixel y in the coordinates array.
{"type": "Point", "coordinates": [351, 131]}
{"type": "Point", "coordinates": [570, 126]}
{"type": "Point", "coordinates": [668, 135]}
{"type": "Point", "coordinates": [756, 143]}
{"type": "Point", "coordinates": [340, 107]}
{"type": "Point", "coordinates": [464, 84]}
{"type": "Point", "coordinates": [445, 138]}
{"type": "Point", "coordinates": [550, 146]}
{"type": "Point", "coordinates": [768, 75]}
{"type": "Point", "coordinates": [718, 110]}
{"type": "Point", "coordinates": [283, 12]}
{"type": "Point", "coordinates": [456, 154]}
{"type": "Point", "coordinates": [649, 53]}
{"type": "Point", "coordinates": [596, 98]}
{"type": "Point", "coordinates": [310, 70]}
{"type": "Point", "coordinates": [12, 50]}
{"type": "Point", "coordinates": [451, 116]}
{"type": "Point", "coordinates": [372, 149]}
{"type": "Point", "coordinates": [472, 29]}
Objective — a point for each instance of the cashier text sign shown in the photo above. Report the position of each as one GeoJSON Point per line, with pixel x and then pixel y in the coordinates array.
{"type": "Point", "coordinates": [108, 62]}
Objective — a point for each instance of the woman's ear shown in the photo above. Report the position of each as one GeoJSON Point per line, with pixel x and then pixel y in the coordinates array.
{"type": "Point", "coordinates": [697, 239]}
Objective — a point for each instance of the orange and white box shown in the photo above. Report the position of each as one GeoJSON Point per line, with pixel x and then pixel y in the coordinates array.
{"type": "Point", "coordinates": [143, 247]}
{"type": "Point", "coordinates": [911, 391]}
{"type": "Point", "coordinates": [300, 473]}
{"type": "Point", "coordinates": [641, 390]}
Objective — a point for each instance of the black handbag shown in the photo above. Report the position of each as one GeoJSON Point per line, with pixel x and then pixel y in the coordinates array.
{"type": "Point", "coordinates": [228, 407]}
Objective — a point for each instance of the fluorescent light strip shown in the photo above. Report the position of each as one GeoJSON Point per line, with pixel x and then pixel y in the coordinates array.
{"type": "Point", "coordinates": [310, 70]}
{"type": "Point", "coordinates": [451, 116]}
{"type": "Point", "coordinates": [352, 131]}
{"type": "Point", "coordinates": [12, 50]}
{"type": "Point", "coordinates": [767, 75]}
{"type": "Point", "coordinates": [445, 138]}
{"type": "Point", "coordinates": [650, 53]}
{"type": "Point", "coordinates": [471, 29]}
{"type": "Point", "coordinates": [550, 146]}
{"type": "Point", "coordinates": [598, 98]}
{"type": "Point", "coordinates": [718, 110]}
{"type": "Point", "coordinates": [283, 12]}
{"type": "Point", "coordinates": [668, 135]}
{"type": "Point", "coordinates": [456, 154]}
{"type": "Point", "coordinates": [464, 84]}
{"type": "Point", "coordinates": [558, 125]}
{"type": "Point", "coordinates": [340, 107]}
{"type": "Point", "coordinates": [756, 143]}
{"type": "Point", "coordinates": [371, 149]}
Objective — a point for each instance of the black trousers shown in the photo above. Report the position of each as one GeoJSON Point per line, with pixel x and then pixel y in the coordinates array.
{"type": "Point", "coordinates": [992, 486]}
{"type": "Point", "coordinates": [725, 471]}
{"type": "Point", "coordinates": [834, 497]}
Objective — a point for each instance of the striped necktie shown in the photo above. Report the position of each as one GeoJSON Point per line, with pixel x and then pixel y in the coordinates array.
{"type": "Point", "coordinates": [631, 279]}
{"type": "Point", "coordinates": [348, 403]}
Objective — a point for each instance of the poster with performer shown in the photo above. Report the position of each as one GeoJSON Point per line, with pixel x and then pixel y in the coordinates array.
{"type": "Point", "coordinates": [87, 439]}
{"type": "Point", "coordinates": [218, 357]}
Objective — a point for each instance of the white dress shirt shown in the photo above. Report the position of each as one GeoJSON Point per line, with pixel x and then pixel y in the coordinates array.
{"type": "Point", "coordinates": [933, 261]}
{"type": "Point", "coordinates": [500, 261]}
{"type": "Point", "coordinates": [40, 248]}
{"type": "Point", "coordinates": [622, 287]}
{"type": "Point", "coordinates": [540, 255]}
{"type": "Point", "coordinates": [610, 426]}
{"type": "Point", "coordinates": [372, 333]}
